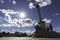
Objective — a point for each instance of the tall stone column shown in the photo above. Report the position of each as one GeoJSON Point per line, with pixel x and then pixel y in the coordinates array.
{"type": "Point", "coordinates": [41, 23]}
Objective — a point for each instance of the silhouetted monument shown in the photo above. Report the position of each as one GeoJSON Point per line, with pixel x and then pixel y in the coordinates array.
{"type": "Point", "coordinates": [47, 28]}
{"type": "Point", "coordinates": [41, 30]}
{"type": "Point", "coordinates": [51, 27]}
{"type": "Point", "coordinates": [41, 25]}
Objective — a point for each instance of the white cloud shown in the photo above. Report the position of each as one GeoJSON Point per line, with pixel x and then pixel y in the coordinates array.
{"type": "Point", "coordinates": [21, 23]}
{"type": "Point", "coordinates": [5, 25]}
{"type": "Point", "coordinates": [57, 14]}
{"type": "Point", "coordinates": [26, 22]}
{"type": "Point", "coordinates": [38, 0]}
{"type": "Point", "coordinates": [15, 21]}
{"type": "Point", "coordinates": [42, 3]}
{"type": "Point", "coordinates": [8, 13]}
{"type": "Point", "coordinates": [47, 20]}
{"type": "Point", "coordinates": [14, 2]}
{"type": "Point", "coordinates": [31, 5]}
{"type": "Point", "coordinates": [2, 1]}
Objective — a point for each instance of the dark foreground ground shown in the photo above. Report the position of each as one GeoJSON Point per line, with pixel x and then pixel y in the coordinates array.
{"type": "Point", "coordinates": [27, 38]}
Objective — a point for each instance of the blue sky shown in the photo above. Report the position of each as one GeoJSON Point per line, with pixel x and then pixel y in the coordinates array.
{"type": "Point", "coordinates": [50, 14]}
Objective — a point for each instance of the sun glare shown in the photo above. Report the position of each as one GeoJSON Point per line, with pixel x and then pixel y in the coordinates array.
{"type": "Point", "coordinates": [22, 15]}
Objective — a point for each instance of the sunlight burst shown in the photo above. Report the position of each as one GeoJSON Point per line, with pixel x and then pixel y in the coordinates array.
{"type": "Point", "coordinates": [22, 15]}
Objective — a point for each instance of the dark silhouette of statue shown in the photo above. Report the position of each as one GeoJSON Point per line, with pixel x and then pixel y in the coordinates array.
{"type": "Point", "coordinates": [47, 28]}
{"type": "Point", "coordinates": [51, 27]}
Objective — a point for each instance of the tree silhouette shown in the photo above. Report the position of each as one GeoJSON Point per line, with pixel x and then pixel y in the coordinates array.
{"type": "Point", "coordinates": [17, 34]}
{"type": "Point", "coordinates": [3, 33]}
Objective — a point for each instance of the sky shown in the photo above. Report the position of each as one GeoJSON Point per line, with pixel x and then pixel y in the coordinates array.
{"type": "Point", "coordinates": [22, 15]}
